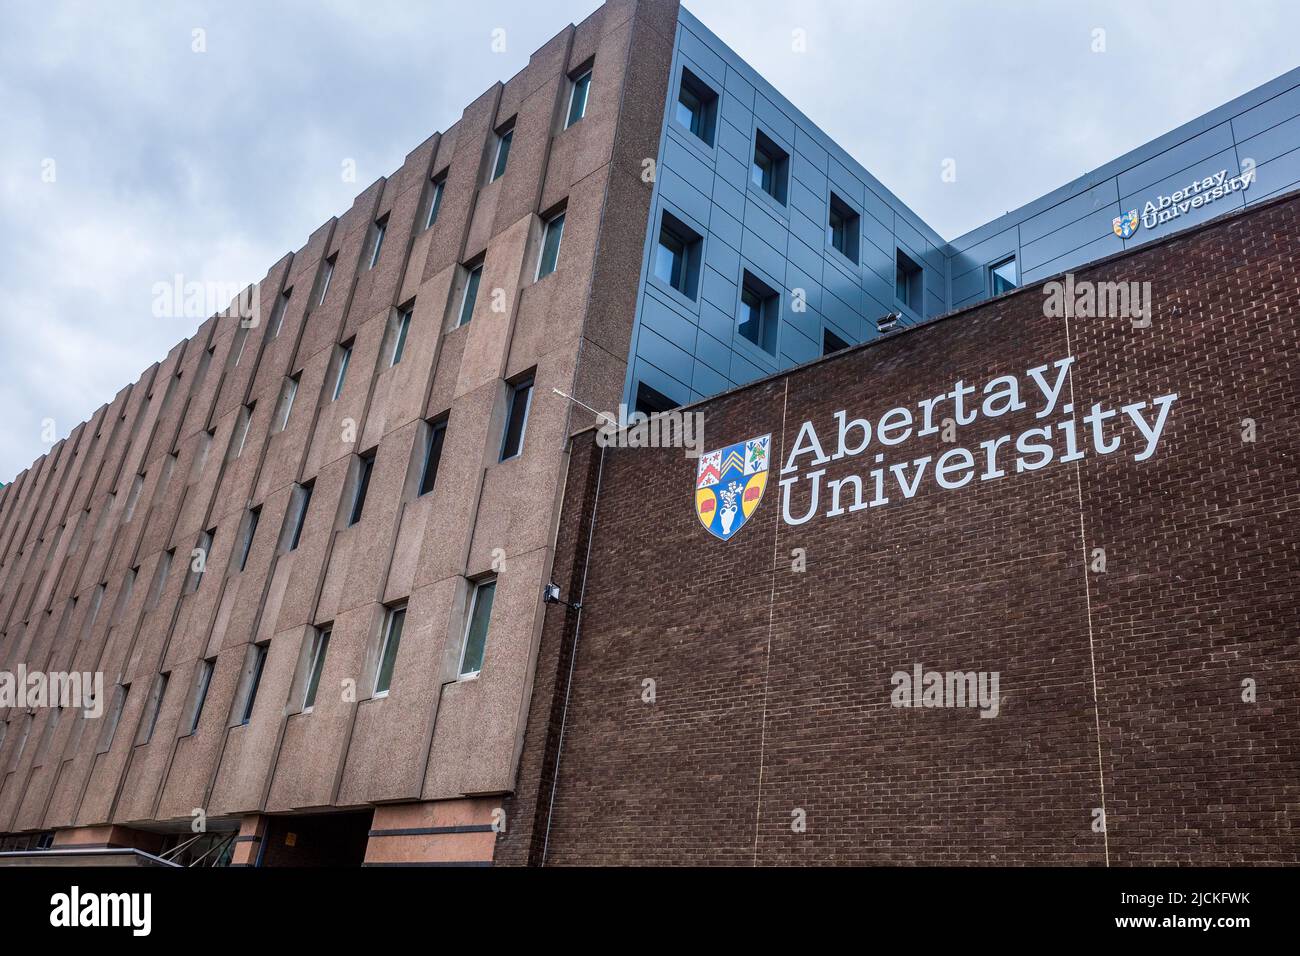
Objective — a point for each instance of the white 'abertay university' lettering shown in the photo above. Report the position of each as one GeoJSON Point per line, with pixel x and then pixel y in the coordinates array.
{"type": "Point", "coordinates": [1102, 430]}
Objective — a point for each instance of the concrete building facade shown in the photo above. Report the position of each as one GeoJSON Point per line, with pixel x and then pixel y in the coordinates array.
{"type": "Point", "coordinates": [306, 550]}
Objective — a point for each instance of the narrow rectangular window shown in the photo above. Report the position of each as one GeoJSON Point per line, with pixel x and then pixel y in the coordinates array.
{"type": "Point", "coordinates": [504, 138]}
{"type": "Point", "coordinates": [476, 628]}
{"type": "Point", "coordinates": [206, 442]}
{"type": "Point", "coordinates": [578, 98]}
{"type": "Point", "coordinates": [326, 275]}
{"type": "Point", "coordinates": [22, 741]}
{"type": "Point", "coordinates": [340, 376]}
{"type": "Point", "coordinates": [47, 737]}
{"type": "Point", "coordinates": [133, 498]}
{"type": "Point", "coordinates": [288, 392]}
{"type": "Point", "coordinates": [205, 363]}
{"type": "Point", "coordinates": [256, 665]}
{"type": "Point", "coordinates": [381, 227]}
{"type": "Point", "coordinates": [241, 428]}
{"type": "Point", "coordinates": [298, 515]}
{"type": "Point", "coordinates": [470, 294]}
{"type": "Point", "coordinates": [909, 286]}
{"type": "Point", "coordinates": [393, 623]}
{"type": "Point", "coordinates": [241, 337]}
{"type": "Point", "coordinates": [114, 718]}
{"type": "Point", "coordinates": [842, 228]}
{"type": "Point", "coordinates": [155, 706]}
{"type": "Point", "coordinates": [199, 560]}
{"type": "Point", "coordinates": [550, 253]}
{"type": "Point", "coordinates": [432, 456]}
{"type": "Point", "coordinates": [316, 664]}
{"type": "Point", "coordinates": [202, 682]}
{"type": "Point", "coordinates": [435, 199]}
{"type": "Point", "coordinates": [521, 396]}
{"type": "Point", "coordinates": [770, 169]}
{"type": "Point", "coordinates": [160, 579]}
{"type": "Point", "coordinates": [399, 336]}
{"type": "Point", "coordinates": [250, 529]}
{"type": "Point", "coordinates": [277, 314]}
{"type": "Point", "coordinates": [364, 467]}
{"type": "Point", "coordinates": [758, 313]}
{"type": "Point", "coordinates": [124, 595]}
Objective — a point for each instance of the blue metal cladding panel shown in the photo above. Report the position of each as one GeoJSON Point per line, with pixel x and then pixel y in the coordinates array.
{"type": "Point", "coordinates": [1073, 225]}
{"type": "Point", "coordinates": [689, 349]}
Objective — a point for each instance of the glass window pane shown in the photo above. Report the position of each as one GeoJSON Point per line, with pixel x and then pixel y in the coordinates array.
{"type": "Point", "coordinates": [503, 153]}
{"type": "Point", "coordinates": [304, 500]}
{"type": "Point", "coordinates": [578, 103]}
{"type": "Point", "coordinates": [513, 442]}
{"type": "Point", "coordinates": [751, 316]}
{"type": "Point", "coordinates": [345, 356]}
{"type": "Point", "coordinates": [476, 633]}
{"type": "Point", "coordinates": [325, 280]}
{"type": "Point", "coordinates": [380, 229]}
{"type": "Point", "coordinates": [201, 695]}
{"type": "Point", "coordinates": [432, 455]}
{"type": "Point", "coordinates": [551, 246]}
{"type": "Point", "coordinates": [399, 342]}
{"type": "Point", "coordinates": [286, 403]}
{"type": "Point", "coordinates": [668, 259]}
{"type": "Point", "coordinates": [471, 293]}
{"type": "Point", "coordinates": [435, 203]}
{"type": "Point", "coordinates": [259, 661]}
{"type": "Point", "coordinates": [689, 110]}
{"type": "Point", "coordinates": [1004, 276]}
{"type": "Point", "coordinates": [363, 485]}
{"type": "Point", "coordinates": [392, 639]}
{"type": "Point", "coordinates": [320, 646]}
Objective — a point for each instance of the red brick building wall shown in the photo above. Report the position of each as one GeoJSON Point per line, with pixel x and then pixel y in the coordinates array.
{"type": "Point", "coordinates": [1127, 688]}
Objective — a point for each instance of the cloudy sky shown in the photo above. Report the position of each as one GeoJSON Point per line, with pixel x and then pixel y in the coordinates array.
{"type": "Point", "coordinates": [128, 157]}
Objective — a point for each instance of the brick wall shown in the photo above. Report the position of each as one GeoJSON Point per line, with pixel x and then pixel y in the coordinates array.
{"type": "Point", "coordinates": [1120, 688]}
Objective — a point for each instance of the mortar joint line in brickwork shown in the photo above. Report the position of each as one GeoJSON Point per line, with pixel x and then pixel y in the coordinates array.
{"type": "Point", "coordinates": [1087, 604]}
{"type": "Point", "coordinates": [767, 661]}
{"type": "Point", "coordinates": [573, 657]}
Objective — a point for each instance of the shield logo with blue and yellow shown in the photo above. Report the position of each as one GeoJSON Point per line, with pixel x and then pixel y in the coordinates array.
{"type": "Point", "coordinates": [1125, 225]}
{"type": "Point", "coordinates": [729, 484]}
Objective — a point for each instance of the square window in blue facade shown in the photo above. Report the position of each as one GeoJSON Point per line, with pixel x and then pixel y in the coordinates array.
{"type": "Point", "coordinates": [651, 401]}
{"type": "Point", "coordinates": [1002, 276]}
{"type": "Point", "coordinates": [842, 228]}
{"type": "Point", "coordinates": [909, 282]}
{"type": "Point", "coordinates": [770, 170]}
{"type": "Point", "coordinates": [677, 256]}
{"type": "Point", "coordinates": [832, 342]}
{"type": "Point", "coordinates": [697, 106]}
{"type": "Point", "coordinates": [759, 313]}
